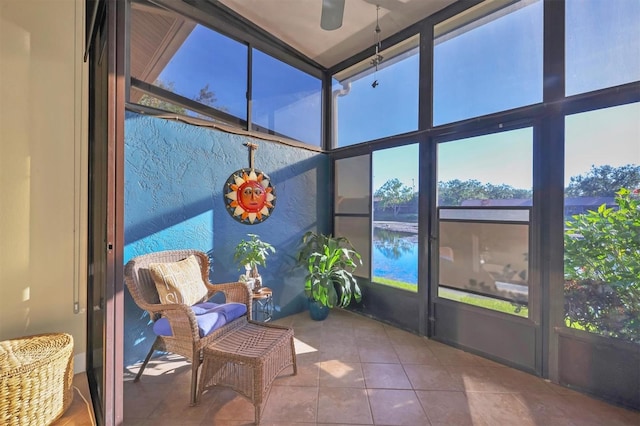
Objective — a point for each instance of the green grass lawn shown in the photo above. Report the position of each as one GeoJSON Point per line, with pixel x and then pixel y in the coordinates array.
{"type": "Point", "coordinates": [397, 284]}
{"type": "Point", "coordinates": [483, 302]}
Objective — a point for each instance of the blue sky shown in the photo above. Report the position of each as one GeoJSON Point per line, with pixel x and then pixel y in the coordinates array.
{"type": "Point", "coordinates": [487, 69]}
{"type": "Point", "coordinates": [499, 66]}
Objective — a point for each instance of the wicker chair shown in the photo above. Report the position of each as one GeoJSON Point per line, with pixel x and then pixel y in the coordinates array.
{"type": "Point", "coordinates": [185, 339]}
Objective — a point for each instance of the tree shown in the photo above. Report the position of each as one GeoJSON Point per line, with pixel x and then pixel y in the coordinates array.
{"type": "Point", "coordinates": [602, 268]}
{"type": "Point", "coordinates": [454, 192]}
{"type": "Point", "coordinates": [205, 97]}
{"type": "Point", "coordinates": [393, 194]}
{"type": "Point", "coordinates": [154, 102]}
{"type": "Point", "coordinates": [604, 181]}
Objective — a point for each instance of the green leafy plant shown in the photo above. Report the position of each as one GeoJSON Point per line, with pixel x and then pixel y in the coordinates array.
{"type": "Point", "coordinates": [252, 253]}
{"type": "Point", "coordinates": [330, 262]}
{"type": "Point", "coordinates": [602, 268]}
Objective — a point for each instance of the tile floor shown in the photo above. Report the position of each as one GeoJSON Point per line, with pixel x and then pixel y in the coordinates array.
{"type": "Point", "coordinates": [357, 371]}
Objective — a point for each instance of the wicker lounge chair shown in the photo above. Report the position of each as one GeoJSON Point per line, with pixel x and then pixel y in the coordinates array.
{"type": "Point", "coordinates": [187, 337]}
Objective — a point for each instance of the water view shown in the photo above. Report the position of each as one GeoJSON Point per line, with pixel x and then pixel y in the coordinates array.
{"type": "Point", "coordinates": [395, 254]}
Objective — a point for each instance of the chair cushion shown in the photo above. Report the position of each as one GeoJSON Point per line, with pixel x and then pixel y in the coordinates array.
{"type": "Point", "coordinates": [204, 307]}
{"type": "Point", "coordinates": [210, 316]}
{"type": "Point", "coordinates": [179, 282]}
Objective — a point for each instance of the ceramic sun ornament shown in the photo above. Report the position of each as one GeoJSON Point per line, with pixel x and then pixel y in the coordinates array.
{"type": "Point", "coordinates": [248, 193]}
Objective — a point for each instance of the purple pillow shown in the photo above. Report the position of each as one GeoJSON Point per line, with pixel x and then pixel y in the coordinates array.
{"type": "Point", "coordinates": [210, 316]}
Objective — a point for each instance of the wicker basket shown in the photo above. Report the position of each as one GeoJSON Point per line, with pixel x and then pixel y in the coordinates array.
{"type": "Point", "coordinates": [36, 376]}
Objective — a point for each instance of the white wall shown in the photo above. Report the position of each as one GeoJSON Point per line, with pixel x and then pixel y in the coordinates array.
{"type": "Point", "coordinates": [43, 175]}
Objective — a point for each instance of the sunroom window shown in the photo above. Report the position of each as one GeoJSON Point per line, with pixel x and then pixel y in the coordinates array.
{"type": "Point", "coordinates": [602, 44]}
{"type": "Point", "coordinates": [285, 100]}
{"type": "Point", "coordinates": [487, 59]}
{"type": "Point", "coordinates": [204, 70]}
{"type": "Point", "coordinates": [372, 104]}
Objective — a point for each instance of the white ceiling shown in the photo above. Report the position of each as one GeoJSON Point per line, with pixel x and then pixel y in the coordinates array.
{"type": "Point", "coordinates": [297, 23]}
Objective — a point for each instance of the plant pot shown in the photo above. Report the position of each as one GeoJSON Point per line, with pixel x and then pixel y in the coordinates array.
{"type": "Point", "coordinates": [253, 284]}
{"type": "Point", "coordinates": [317, 311]}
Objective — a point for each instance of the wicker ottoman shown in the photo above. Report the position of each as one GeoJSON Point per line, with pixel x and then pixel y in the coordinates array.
{"type": "Point", "coordinates": [247, 360]}
{"type": "Point", "coordinates": [36, 376]}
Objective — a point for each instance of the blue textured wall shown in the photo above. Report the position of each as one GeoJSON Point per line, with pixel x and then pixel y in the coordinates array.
{"type": "Point", "coordinates": [174, 179]}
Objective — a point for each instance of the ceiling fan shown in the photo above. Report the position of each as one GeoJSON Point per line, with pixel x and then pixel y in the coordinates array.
{"type": "Point", "coordinates": [332, 11]}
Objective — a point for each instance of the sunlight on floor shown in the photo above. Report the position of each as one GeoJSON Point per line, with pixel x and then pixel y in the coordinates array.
{"type": "Point", "coordinates": [335, 368]}
{"type": "Point", "coordinates": [167, 364]}
{"type": "Point", "coordinates": [302, 347]}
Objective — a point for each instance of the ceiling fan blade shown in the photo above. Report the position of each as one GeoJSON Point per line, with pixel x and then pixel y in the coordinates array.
{"type": "Point", "coordinates": [332, 11]}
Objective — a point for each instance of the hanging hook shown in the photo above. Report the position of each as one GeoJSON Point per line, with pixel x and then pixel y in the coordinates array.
{"type": "Point", "coordinates": [252, 147]}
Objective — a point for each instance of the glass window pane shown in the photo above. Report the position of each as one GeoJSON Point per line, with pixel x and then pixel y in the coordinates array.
{"type": "Point", "coordinates": [285, 100]}
{"type": "Point", "coordinates": [488, 63]}
{"type": "Point", "coordinates": [370, 104]}
{"type": "Point", "coordinates": [485, 264]}
{"type": "Point", "coordinates": [154, 102]}
{"type": "Point", "coordinates": [358, 232]}
{"type": "Point", "coordinates": [395, 217]}
{"type": "Point", "coordinates": [161, 104]}
{"type": "Point", "coordinates": [489, 170]}
{"type": "Point", "coordinates": [602, 222]}
{"type": "Point", "coordinates": [352, 180]}
{"type": "Point", "coordinates": [602, 44]}
{"type": "Point", "coordinates": [176, 54]}
{"type": "Point", "coordinates": [484, 235]}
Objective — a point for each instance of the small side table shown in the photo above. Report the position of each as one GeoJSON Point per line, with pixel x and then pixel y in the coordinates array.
{"type": "Point", "coordinates": [247, 359]}
{"type": "Point", "coordinates": [262, 304]}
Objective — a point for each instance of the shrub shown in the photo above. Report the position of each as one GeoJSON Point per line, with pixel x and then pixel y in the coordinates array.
{"type": "Point", "coordinates": [602, 268]}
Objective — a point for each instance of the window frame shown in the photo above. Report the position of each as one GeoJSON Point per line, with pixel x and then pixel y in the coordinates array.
{"type": "Point", "coordinates": [221, 21]}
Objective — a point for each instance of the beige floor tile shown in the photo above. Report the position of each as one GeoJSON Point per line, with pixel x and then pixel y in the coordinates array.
{"type": "Point", "coordinates": [385, 376]}
{"type": "Point", "coordinates": [396, 407]}
{"type": "Point", "coordinates": [347, 352]}
{"type": "Point", "coordinates": [416, 354]}
{"type": "Point", "coordinates": [402, 337]}
{"type": "Point", "coordinates": [377, 353]}
{"type": "Point", "coordinates": [344, 405]}
{"type": "Point", "coordinates": [342, 363]}
{"type": "Point", "coordinates": [176, 407]}
{"type": "Point", "coordinates": [227, 405]}
{"type": "Point", "coordinates": [431, 377]}
{"type": "Point", "coordinates": [339, 374]}
{"type": "Point", "coordinates": [291, 403]}
{"type": "Point", "coordinates": [309, 338]}
{"type": "Point", "coordinates": [336, 333]}
{"type": "Point", "coordinates": [518, 381]}
{"type": "Point", "coordinates": [499, 409]}
{"type": "Point", "coordinates": [447, 408]}
{"type": "Point", "coordinates": [307, 375]}
{"type": "Point", "coordinates": [588, 411]}
{"type": "Point", "coordinates": [545, 408]}
{"type": "Point", "coordinates": [451, 356]}
{"type": "Point", "coordinates": [473, 378]}
{"type": "Point", "coordinates": [374, 340]}
{"type": "Point", "coordinates": [307, 357]}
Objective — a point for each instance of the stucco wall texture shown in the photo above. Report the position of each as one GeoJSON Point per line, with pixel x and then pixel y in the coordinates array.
{"type": "Point", "coordinates": [174, 180]}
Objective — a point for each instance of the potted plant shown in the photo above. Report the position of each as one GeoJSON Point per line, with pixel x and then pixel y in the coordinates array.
{"type": "Point", "coordinates": [251, 254]}
{"type": "Point", "coordinates": [330, 262]}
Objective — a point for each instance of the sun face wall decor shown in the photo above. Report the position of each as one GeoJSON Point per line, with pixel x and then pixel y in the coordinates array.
{"type": "Point", "coordinates": [249, 195]}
